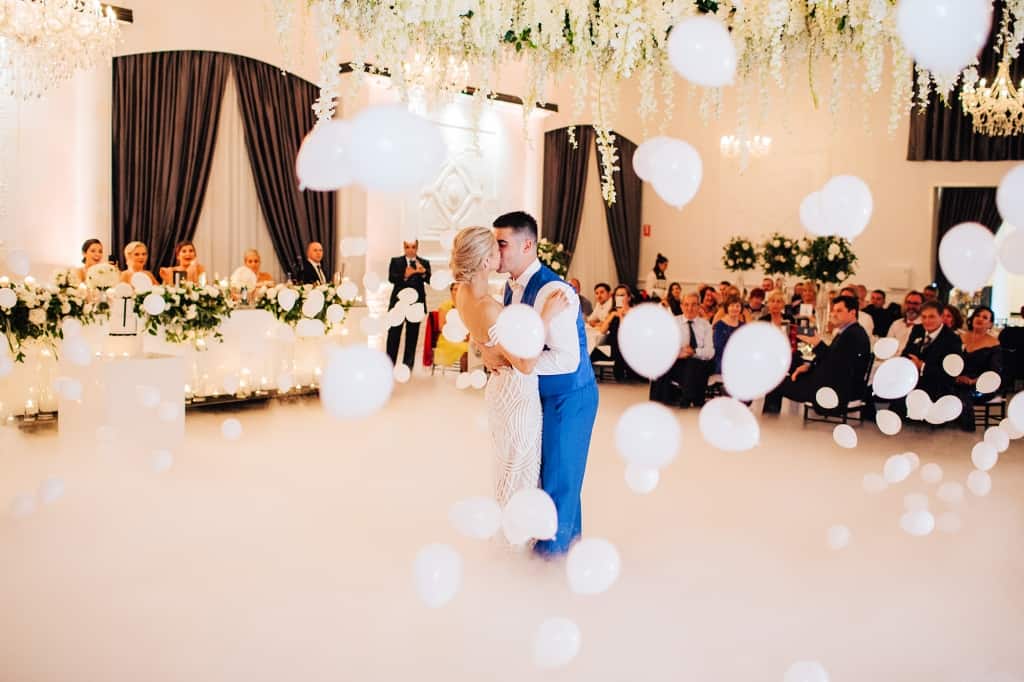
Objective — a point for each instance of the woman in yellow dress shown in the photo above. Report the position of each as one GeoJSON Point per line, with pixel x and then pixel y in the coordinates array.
{"type": "Point", "coordinates": [448, 352]}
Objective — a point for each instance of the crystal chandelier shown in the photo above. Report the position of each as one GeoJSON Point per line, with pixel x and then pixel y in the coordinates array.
{"type": "Point", "coordinates": [732, 146]}
{"type": "Point", "coordinates": [998, 109]}
{"type": "Point", "coordinates": [43, 42]}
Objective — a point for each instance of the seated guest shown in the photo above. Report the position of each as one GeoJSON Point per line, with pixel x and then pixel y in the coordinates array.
{"type": "Point", "coordinates": [693, 367]}
{"type": "Point", "coordinates": [755, 304]}
{"type": "Point", "coordinates": [135, 256]}
{"type": "Point", "coordinates": [448, 352]}
{"type": "Point", "coordinates": [723, 286]}
{"type": "Point", "coordinates": [767, 285]}
{"type": "Point", "coordinates": [881, 316]}
{"type": "Point", "coordinates": [840, 365]}
{"type": "Point", "coordinates": [952, 318]}
{"type": "Point", "coordinates": [586, 307]}
{"type": "Point", "coordinates": [249, 275]}
{"type": "Point", "coordinates": [805, 306]}
{"type": "Point", "coordinates": [723, 329]}
{"type": "Point", "coordinates": [981, 354]}
{"type": "Point", "coordinates": [1011, 339]}
{"type": "Point", "coordinates": [185, 262]}
{"type": "Point", "coordinates": [657, 282]}
{"type": "Point", "coordinates": [311, 270]}
{"type": "Point", "coordinates": [622, 303]}
{"type": "Point", "coordinates": [673, 300]}
{"type": "Point", "coordinates": [778, 315]}
{"type": "Point", "coordinates": [798, 293]}
{"type": "Point", "coordinates": [929, 344]}
{"type": "Point", "coordinates": [708, 302]}
{"type": "Point", "coordinates": [863, 319]}
{"type": "Point", "coordinates": [900, 329]}
{"type": "Point", "coordinates": [730, 292]}
{"type": "Point", "coordinates": [931, 292]}
{"type": "Point", "coordinates": [602, 304]}
{"type": "Point", "coordinates": [92, 254]}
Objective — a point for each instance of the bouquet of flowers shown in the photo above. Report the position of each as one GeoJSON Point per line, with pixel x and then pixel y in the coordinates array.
{"type": "Point", "coordinates": [778, 255]}
{"type": "Point", "coordinates": [295, 305]}
{"type": "Point", "coordinates": [739, 255]}
{"type": "Point", "coordinates": [102, 276]}
{"type": "Point", "coordinates": [30, 312]}
{"type": "Point", "coordinates": [829, 260]}
{"type": "Point", "coordinates": [189, 312]}
{"type": "Point", "coordinates": [554, 256]}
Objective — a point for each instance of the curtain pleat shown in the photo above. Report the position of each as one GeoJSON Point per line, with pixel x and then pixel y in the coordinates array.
{"type": "Point", "coordinates": [565, 182]}
{"type": "Point", "coordinates": [624, 215]}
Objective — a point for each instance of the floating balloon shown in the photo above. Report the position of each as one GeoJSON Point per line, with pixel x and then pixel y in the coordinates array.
{"type": "Point", "coordinates": [593, 566]}
{"type": "Point", "coordinates": [231, 429]}
{"type": "Point", "coordinates": [728, 424]}
{"type": "Point", "coordinates": [675, 170]}
{"type": "Point", "coordinates": [979, 483]}
{"type": "Point", "coordinates": [1007, 427]}
{"type": "Point", "coordinates": [812, 215]}
{"type": "Point", "coordinates": [1011, 252]}
{"type": "Point", "coordinates": [441, 280]}
{"type": "Point", "coordinates": [394, 150]}
{"type": "Point", "coordinates": [161, 461]}
{"type": "Point", "coordinates": [648, 435]}
{"type": "Point", "coordinates": [8, 299]}
{"type": "Point", "coordinates": [701, 50]}
{"type": "Point", "coordinates": [967, 255]}
{"type": "Point", "coordinates": [396, 316]}
{"type": "Point", "coordinates": [463, 380]}
{"type": "Point", "coordinates": [950, 492]}
{"type": "Point", "coordinates": [931, 473]}
{"type": "Point", "coordinates": [529, 514]}
{"type": "Point", "coordinates": [408, 295]}
{"type": "Point", "coordinates": [437, 573]}
{"type": "Point", "coordinates": [335, 313]}
{"type": "Point", "coordinates": [874, 484]}
{"type": "Point", "coordinates": [324, 163]}
{"type": "Point", "coordinates": [122, 290]}
{"type": "Point", "coordinates": [649, 340]}
{"type": "Point", "coordinates": [520, 330]}
{"type": "Point", "coordinates": [477, 379]}
{"type": "Point", "coordinates": [948, 408]}
{"type": "Point", "coordinates": [154, 304]}
{"type": "Point", "coordinates": [918, 404]}
{"type": "Point", "coordinates": [838, 537]}
{"type": "Point", "coordinates": [949, 522]}
{"type": "Point", "coordinates": [556, 643]}
{"type": "Point", "coordinates": [806, 671]}
{"type": "Point", "coordinates": [402, 373]}
{"type": "Point", "coordinates": [1015, 411]}
{"type": "Point", "coordinates": [348, 291]}
{"type": "Point", "coordinates": [944, 36]}
{"type": "Point", "coordinates": [286, 298]}
{"type": "Point", "coordinates": [356, 382]}
{"type": "Point", "coordinates": [371, 281]}
{"type": "Point", "coordinates": [913, 459]}
{"type": "Point", "coordinates": [827, 397]}
{"type": "Point", "coordinates": [640, 480]}
{"type": "Point", "coordinates": [886, 347]}
{"type": "Point", "coordinates": [915, 501]}
{"type": "Point", "coordinates": [897, 468]}
{"type": "Point", "coordinates": [988, 382]}
{"type": "Point", "coordinates": [844, 436]}
{"type": "Point", "coordinates": [141, 282]}
{"type": "Point", "coordinates": [895, 378]}
{"type": "Point", "coordinates": [888, 422]}
{"type": "Point", "coordinates": [1010, 197]}
{"type": "Point", "coordinates": [643, 162]}
{"type": "Point", "coordinates": [953, 365]}
{"type": "Point", "coordinates": [918, 523]}
{"type": "Point", "coordinates": [984, 456]}
{"type": "Point", "coordinates": [756, 359]}
{"type": "Point", "coordinates": [846, 204]}
{"type": "Point", "coordinates": [454, 330]}
{"type": "Point", "coordinates": [476, 517]}
{"type": "Point", "coordinates": [997, 438]}
{"type": "Point", "coordinates": [416, 313]}
{"type": "Point", "coordinates": [313, 304]}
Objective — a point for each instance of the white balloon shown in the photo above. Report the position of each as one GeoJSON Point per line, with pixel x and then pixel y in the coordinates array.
{"type": "Point", "coordinates": [1010, 197]}
{"type": "Point", "coordinates": [408, 295]}
{"type": "Point", "coordinates": [324, 163]}
{"type": "Point", "coordinates": [8, 299]}
{"type": "Point", "coordinates": [648, 435]}
{"type": "Point", "coordinates": [997, 438]}
{"type": "Point", "coordinates": [967, 255]}
{"type": "Point", "coordinates": [335, 313]}
{"type": "Point", "coordinates": [476, 517]}
{"type": "Point", "coordinates": [356, 382]}
{"type": "Point", "coordinates": [1011, 252]}
{"type": "Point", "coordinates": [437, 573]}
{"type": "Point", "coordinates": [649, 339]}
{"type": "Point", "coordinates": [953, 365]}
{"type": "Point", "coordinates": [918, 404]}
{"type": "Point", "coordinates": [931, 473]}
{"type": "Point", "coordinates": [463, 380]}
{"type": "Point", "coordinates": [231, 429]}
{"type": "Point", "coordinates": [918, 523]}
{"type": "Point", "coordinates": [756, 359]}
{"type": "Point", "coordinates": [77, 351]}
{"type": "Point", "coordinates": [886, 347]}
{"type": "Point", "coordinates": [950, 492]}
{"type": "Point", "coordinates": [556, 643]}
{"type": "Point", "coordinates": [51, 490]}
{"type": "Point", "coordinates": [979, 483]}
{"type": "Point", "coordinates": [69, 326]}
{"type": "Point", "coordinates": [1010, 430]}
{"type": "Point", "coordinates": [154, 304]}
{"type": "Point", "coordinates": [447, 239]}
{"type": "Point", "coordinates": [806, 671]}
{"type": "Point", "coordinates": [441, 280]}
{"type": "Point", "coordinates": [354, 246]}
{"type": "Point", "coordinates": [914, 460]}
{"type": "Point", "coordinates": [641, 480]}
{"type": "Point", "coordinates": [161, 461]}
{"type": "Point", "coordinates": [371, 281]}
{"type": "Point", "coordinates": [372, 326]}
{"type": "Point", "coordinates": [529, 514]}
{"type": "Point", "coordinates": [141, 282]}
{"type": "Point", "coordinates": [701, 50]}
{"type": "Point", "coordinates": [988, 382]}
{"type": "Point", "coordinates": [394, 150]}
{"type": "Point", "coordinates": [402, 373]}
{"type": "Point", "coordinates": [1015, 411]}
{"type": "Point", "coordinates": [895, 378]}
{"type": "Point", "coordinates": [593, 566]}
{"type": "Point", "coordinates": [520, 330]}
{"type": "Point", "coordinates": [812, 215]}
{"type": "Point", "coordinates": [846, 204]}
{"type": "Point", "coordinates": [286, 298]}
{"type": "Point", "coordinates": [984, 456]}
{"type": "Point", "coordinates": [915, 501]}
{"type": "Point", "coordinates": [643, 162]}
{"type": "Point", "coordinates": [477, 378]}
{"type": "Point", "coordinates": [949, 522]}
{"type": "Point", "coordinates": [18, 262]}
{"type": "Point", "coordinates": [728, 424]}
{"type": "Point", "coordinates": [944, 36]}
{"type": "Point", "coordinates": [149, 396]}
{"type": "Point", "coordinates": [897, 468]}
{"type": "Point", "coordinates": [348, 291]}
{"type": "Point", "coordinates": [676, 170]}
{"type": "Point", "coordinates": [874, 483]}
{"type": "Point", "coordinates": [313, 304]}
{"type": "Point", "coordinates": [949, 408]}
{"type": "Point", "coordinates": [888, 422]}
{"type": "Point", "coordinates": [416, 313]}
{"type": "Point", "coordinates": [307, 328]}
{"type": "Point", "coordinates": [838, 537]}
{"type": "Point", "coordinates": [396, 316]}
{"type": "Point", "coordinates": [827, 397]}
{"type": "Point", "coordinates": [844, 436]}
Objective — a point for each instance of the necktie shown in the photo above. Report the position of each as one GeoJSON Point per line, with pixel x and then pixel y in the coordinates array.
{"type": "Point", "coordinates": [693, 337]}
{"type": "Point", "coordinates": [320, 274]}
{"type": "Point", "coordinates": [927, 342]}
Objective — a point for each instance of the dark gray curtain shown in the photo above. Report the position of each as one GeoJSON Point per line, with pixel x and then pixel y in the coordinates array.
{"type": "Point", "coordinates": [959, 205]}
{"type": "Point", "coordinates": [945, 133]}
{"type": "Point", "coordinates": [277, 113]}
{"type": "Point", "coordinates": [623, 216]}
{"type": "Point", "coordinates": [565, 181]}
{"type": "Point", "coordinates": [166, 108]}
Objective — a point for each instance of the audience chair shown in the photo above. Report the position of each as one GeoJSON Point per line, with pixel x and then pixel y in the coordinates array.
{"type": "Point", "coordinates": [853, 410]}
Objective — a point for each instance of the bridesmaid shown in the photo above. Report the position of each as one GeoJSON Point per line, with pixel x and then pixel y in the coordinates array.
{"type": "Point", "coordinates": [186, 262]}
{"type": "Point", "coordinates": [981, 354]}
{"type": "Point", "coordinates": [136, 255]}
{"type": "Point", "coordinates": [92, 254]}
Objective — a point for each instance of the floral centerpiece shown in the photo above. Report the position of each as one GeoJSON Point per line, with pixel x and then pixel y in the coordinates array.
{"type": "Point", "coordinates": [291, 304]}
{"type": "Point", "coordinates": [30, 312]}
{"type": "Point", "coordinates": [738, 255]}
{"type": "Point", "coordinates": [102, 276]}
{"type": "Point", "coordinates": [778, 255]}
{"type": "Point", "coordinates": [554, 256]}
{"type": "Point", "coordinates": [190, 312]}
{"type": "Point", "coordinates": [828, 260]}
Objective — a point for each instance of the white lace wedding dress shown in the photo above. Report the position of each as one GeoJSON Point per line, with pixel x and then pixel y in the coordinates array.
{"type": "Point", "coordinates": [514, 418]}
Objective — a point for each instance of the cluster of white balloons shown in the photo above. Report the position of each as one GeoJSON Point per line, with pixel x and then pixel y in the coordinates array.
{"type": "Point", "coordinates": [406, 309]}
{"type": "Point", "coordinates": [385, 148]}
{"type": "Point", "coordinates": [476, 379]}
{"type": "Point", "coordinates": [944, 36]}
{"type": "Point", "coordinates": [672, 167]}
{"type": "Point", "coordinates": [842, 208]}
{"type": "Point", "coordinates": [454, 329]}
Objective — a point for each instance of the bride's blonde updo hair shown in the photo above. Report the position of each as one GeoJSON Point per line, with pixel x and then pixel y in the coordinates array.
{"type": "Point", "coordinates": [470, 249]}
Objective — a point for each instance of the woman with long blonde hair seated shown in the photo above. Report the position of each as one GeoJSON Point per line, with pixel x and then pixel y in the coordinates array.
{"type": "Point", "coordinates": [249, 275]}
{"type": "Point", "coordinates": [135, 257]}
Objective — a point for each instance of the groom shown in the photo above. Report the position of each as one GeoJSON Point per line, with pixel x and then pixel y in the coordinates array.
{"type": "Point", "coordinates": [568, 393]}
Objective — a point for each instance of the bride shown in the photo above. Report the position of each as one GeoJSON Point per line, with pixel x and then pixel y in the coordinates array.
{"type": "Point", "coordinates": [512, 395]}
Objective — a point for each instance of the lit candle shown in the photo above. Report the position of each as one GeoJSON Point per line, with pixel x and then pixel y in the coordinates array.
{"type": "Point", "coordinates": [30, 408]}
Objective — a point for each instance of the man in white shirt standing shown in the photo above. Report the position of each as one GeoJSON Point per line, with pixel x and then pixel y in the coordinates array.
{"type": "Point", "coordinates": [689, 375]}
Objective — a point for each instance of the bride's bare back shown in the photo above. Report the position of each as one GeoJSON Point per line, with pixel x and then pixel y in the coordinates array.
{"type": "Point", "coordinates": [478, 313]}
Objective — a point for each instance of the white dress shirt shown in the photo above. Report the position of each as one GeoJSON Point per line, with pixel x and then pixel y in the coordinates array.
{"type": "Point", "coordinates": [656, 286]}
{"type": "Point", "coordinates": [900, 330]}
{"type": "Point", "coordinates": [866, 321]}
{"type": "Point", "coordinates": [562, 355]}
{"type": "Point", "coordinates": [704, 334]}
{"type": "Point", "coordinates": [319, 272]}
{"type": "Point", "coordinates": [601, 311]}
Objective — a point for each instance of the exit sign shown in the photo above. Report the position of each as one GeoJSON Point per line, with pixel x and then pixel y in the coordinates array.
{"type": "Point", "coordinates": [647, 230]}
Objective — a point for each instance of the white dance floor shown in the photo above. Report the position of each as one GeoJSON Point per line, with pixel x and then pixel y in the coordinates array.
{"type": "Point", "coordinates": [287, 555]}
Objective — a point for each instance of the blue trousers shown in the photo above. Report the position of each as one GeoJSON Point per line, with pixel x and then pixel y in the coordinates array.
{"type": "Point", "coordinates": [568, 423]}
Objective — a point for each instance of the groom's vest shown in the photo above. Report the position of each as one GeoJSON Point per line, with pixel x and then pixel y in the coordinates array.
{"type": "Point", "coordinates": [557, 384]}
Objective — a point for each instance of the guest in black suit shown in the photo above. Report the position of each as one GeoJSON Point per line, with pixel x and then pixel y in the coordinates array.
{"type": "Point", "coordinates": [929, 344]}
{"type": "Point", "coordinates": [408, 271]}
{"type": "Point", "coordinates": [312, 270]}
{"type": "Point", "coordinates": [840, 365]}
{"type": "Point", "coordinates": [882, 315]}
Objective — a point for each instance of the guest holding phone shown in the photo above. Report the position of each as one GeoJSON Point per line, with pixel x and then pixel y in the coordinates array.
{"type": "Point", "coordinates": [186, 266]}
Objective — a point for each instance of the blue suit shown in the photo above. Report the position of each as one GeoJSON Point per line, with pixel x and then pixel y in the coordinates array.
{"type": "Point", "coordinates": [569, 404]}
